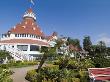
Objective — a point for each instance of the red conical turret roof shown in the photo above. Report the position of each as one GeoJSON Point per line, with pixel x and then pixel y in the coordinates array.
{"type": "Point", "coordinates": [28, 25]}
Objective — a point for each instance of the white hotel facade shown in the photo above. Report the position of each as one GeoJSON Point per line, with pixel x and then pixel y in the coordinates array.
{"type": "Point", "coordinates": [25, 40]}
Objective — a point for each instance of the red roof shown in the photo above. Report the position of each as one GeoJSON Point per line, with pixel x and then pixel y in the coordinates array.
{"type": "Point", "coordinates": [103, 78]}
{"type": "Point", "coordinates": [100, 73]}
{"type": "Point", "coordinates": [73, 48]}
{"type": "Point", "coordinates": [25, 41]}
{"type": "Point", "coordinates": [51, 37]}
{"type": "Point", "coordinates": [27, 26]}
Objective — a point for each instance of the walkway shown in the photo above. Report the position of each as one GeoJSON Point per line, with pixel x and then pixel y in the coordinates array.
{"type": "Point", "coordinates": [20, 73]}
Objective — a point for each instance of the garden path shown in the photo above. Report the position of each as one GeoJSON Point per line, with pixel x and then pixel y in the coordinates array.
{"type": "Point", "coordinates": [20, 73]}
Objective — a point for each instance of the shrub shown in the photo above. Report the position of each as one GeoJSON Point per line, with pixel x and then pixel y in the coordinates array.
{"type": "Point", "coordinates": [21, 64]}
{"type": "Point", "coordinates": [4, 66]}
{"type": "Point", "coordinates": [53, 74]}
{"type": "Point", "coordinates": [31, 76]}
{"type": "Point", "coordinates": [75, 80]}
{"type": "Point", "coordinates": [101, 62]}
{"type": "Point", "coordinates": [5, 75]}
{"type": "Point", "coordinates": [84, 75]}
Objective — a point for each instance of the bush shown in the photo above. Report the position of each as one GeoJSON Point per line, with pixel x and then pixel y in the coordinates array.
{"type": "Point", "coordinates": [4, 66]}
{"type": "Point", "coordinates": [31, 76]}
{"type": "Point", "coordinates": [53, 74]}
{"type": "Point", "coordinates": [20, 64]}
{"type": "Point", "coordinates": [67, 70]}
{"type": "Point", "coordinates": [84, 76]}
{"type": "Point", "coordinates": [101, 62]}
{"type": "Point", "coordinates": [5, 75]}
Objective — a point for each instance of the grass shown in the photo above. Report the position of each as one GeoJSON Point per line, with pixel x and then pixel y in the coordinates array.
{"type": "Point", "coordinates": [18, 64]}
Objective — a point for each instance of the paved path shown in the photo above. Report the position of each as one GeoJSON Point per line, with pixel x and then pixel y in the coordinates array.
{"type": "Point", "coordinates": [20, 73]}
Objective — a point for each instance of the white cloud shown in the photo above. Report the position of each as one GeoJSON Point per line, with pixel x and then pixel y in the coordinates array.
{"type": "Point", "coordinates": [104, 37]}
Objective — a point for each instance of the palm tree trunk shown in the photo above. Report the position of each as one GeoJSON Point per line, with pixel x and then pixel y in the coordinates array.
{"type": "Point", "coordinates": [42, 62]}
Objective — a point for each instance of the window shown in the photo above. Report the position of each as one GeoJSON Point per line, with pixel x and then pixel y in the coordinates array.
{"type": "Point", "coordinates": [15, 35]}
{"type": "Point", "coordinates": [34, 48]}
{"type": "Point", "coordinates": [8, 35]}
{"type": "Point", "coordinates": [22, 47]}
{"type": "Point", "coordinates": [42, 38]}
{"type": "Point", "coordinates": [27, 35]}
{"type": "Point", "coordinates": [30, 35]}
{"type": "Point", "coordinates": [22, 35]}
{"type": "Point", "coordinates": [36, 36]}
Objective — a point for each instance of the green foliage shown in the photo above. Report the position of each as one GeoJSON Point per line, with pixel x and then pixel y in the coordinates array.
{"type": "Point", "coordinates": [72, 70]}
{"type": "Point", "coordinates": [5, 75]}
{"type": "Point", "coordinates": [101, 61]}
{"type": "Point", "coordinates": [87, 43]}
{"type": "Point", "coordinates": [53, 74]}
{"type": "Point", "coordinates": [44, 49]}
{"type": "Point", "coordinates": [18, 64]}
{"type": "Point", "coordinates": [4, 66]}
{"type": "Point", "coordinates": [47, 52]}
{"type": "Point", "coordinates": [71, 63]}
{"type": "Point", "coordinates": [98, 53]}
{"type": "Point", "coordinates": [50, 74]}
{"type": "Point", "coordinates": [83, 74]}
{"type": "Point", "coordinates": [4, 54]}
{"type": "Point", "coordinates": [31, 76]}
{"type": "Point", "coordinates": [74, 42]}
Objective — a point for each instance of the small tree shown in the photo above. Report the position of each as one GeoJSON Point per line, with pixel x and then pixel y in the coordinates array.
{"type": "Point", "coordinates": [4, 54]}
{"type": "Point", "coordinates": [46, 52]}
{"type": "Point", "coordinates": [87, 43]}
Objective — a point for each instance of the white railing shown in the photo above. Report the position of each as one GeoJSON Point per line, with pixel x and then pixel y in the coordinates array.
{"type": "Point", "coordinates": [17, 54]}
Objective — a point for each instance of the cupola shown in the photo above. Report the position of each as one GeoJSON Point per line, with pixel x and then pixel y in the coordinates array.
{"type": "Point", "coordinates": [29, 14]}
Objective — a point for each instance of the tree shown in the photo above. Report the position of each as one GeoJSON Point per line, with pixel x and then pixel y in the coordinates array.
{"type": "Point", "coordinates": [102, 47]}
{"type": "Point", "coordinates": [46, 52]}
{"type": "Point", "coordinates": [108, 51]}
{"type": "Point", "coordinates": [87, 43]}
{"type": "Point", "coordinates": [74, 42]}
{"type": "Point", "coordinates": [4, 54]}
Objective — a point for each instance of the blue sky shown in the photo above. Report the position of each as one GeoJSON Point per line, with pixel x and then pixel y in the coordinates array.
{"type": "Point", "coordinates": [74, 18]}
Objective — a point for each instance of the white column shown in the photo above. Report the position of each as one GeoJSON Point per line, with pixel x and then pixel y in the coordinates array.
{"type": "Point", "coordinates": [39, 48]}
{"type": "Point", "coordinates": [15, 46]}
{"type": "Point", "coordinates": [28, 50]}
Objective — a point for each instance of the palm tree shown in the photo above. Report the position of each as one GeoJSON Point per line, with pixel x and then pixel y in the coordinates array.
{"type": "Point", "coordinates": [47, 51]}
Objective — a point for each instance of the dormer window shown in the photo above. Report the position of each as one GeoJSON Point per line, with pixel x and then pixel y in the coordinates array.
{"type": "Point", "coordinates": [34, 28]}
{"type": "Point", "coordinates": [25, 22]}
{"type": "Point", "coordinates": [24, 26]}
{"type": "Point", "coordinates": [32, 23]}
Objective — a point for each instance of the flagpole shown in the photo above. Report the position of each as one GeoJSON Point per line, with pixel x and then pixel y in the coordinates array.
{"type": "Point", "coordinates": [31, 3]}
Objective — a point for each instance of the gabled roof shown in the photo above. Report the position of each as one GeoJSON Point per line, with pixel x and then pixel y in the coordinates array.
{"type": "Point", "coordinates": [52, 37]}
{"type": "Point", "coordinates": [73, 48]}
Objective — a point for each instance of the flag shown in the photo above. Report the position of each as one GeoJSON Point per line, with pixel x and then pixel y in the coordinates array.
{"type": "Point", "coordinates": [32, 2]}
